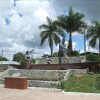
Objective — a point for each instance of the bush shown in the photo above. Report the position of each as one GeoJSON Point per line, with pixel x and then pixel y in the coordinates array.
{"type": "Point", "coordinates": [55, 54]}
{"type": "Point", "coordinates": [93, 57]}
{"type": "Point", "coordinates": [73, 53]}
{"type": "Point", "coordinates": [3, 59]}
{"type": "Point", "coordinates": [33, 61]}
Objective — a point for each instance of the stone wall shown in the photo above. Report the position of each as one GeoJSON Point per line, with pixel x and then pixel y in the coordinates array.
{"type": "Point", "coordinates": [47, 75]}
{"type": "Point", "coordinates": [4, 74]}
{"type": "Point", "coordinates": [44, 78]}
{"type": "Point", "coordinates": [78, 71]}
{"type": "Point", "coordinates": [46, 84]}
{"type": "Point", "coordinates": [55, 60]}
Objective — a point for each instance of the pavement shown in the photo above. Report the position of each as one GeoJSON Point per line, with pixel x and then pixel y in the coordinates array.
{"type": "Point", "coordinates": [44, 94]}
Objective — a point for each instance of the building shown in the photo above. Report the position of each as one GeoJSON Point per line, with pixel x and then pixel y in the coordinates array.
{"type": "Point", "coordinates": [9, 63]}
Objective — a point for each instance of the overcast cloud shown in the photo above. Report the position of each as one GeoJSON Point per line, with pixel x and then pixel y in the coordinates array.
{"type": "Point", "coordinates": [19, 22]}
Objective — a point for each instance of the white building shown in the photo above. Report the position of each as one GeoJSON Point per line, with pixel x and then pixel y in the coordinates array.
{"type": "Point", "coordinates": [9, 63]}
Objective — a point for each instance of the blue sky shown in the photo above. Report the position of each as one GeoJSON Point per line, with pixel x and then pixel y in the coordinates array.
{"type": "Point", "coordinates": [19, 21]}
{"type": "Point", "coordinates": [80, 42]}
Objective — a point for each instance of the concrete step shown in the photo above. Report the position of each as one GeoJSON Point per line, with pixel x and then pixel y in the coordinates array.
{"type": "Point", "coordinates": [39, 83]}
{"type": "Point", "coordinates": [45, 84]}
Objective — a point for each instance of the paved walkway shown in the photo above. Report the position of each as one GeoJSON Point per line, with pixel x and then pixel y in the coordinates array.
{"type": "Point", "coordinates": [43, 94]}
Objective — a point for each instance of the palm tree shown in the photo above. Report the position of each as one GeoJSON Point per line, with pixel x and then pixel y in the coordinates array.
{"type": "Point", "coordinates": [51, 32]}
{"type": "Point", "coordinates": [70, 23]}
{"type": "Point", "coordinates": [94, 33]}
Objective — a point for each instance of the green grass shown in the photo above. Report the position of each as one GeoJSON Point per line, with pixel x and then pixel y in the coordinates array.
{"type": "Point", "coordinates": [86, 83]}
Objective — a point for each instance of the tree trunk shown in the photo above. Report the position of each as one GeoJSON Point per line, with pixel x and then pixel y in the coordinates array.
{"type": "Point", "coordinates": [70, 42]}
{"type": "Point", "coordinates": [51, 44]}
{"type": "Point", "coordinates": [99, 45]}
{"type": "Point", "coordinates": [51, 50]}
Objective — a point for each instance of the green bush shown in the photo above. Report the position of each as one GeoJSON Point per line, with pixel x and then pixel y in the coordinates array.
{"type": "Point", "coordinates": [33, 61]}
{"type": "Point", "coordinates": [3, 59]}
{"type": "Point", "coordinates": [73, 53]}
{"type": "Point", "coordinates": [98, 57]}
{"type": "Point", "coordinates": [55, 54]}
{"type": "Point", "coordinates": [93, 57]}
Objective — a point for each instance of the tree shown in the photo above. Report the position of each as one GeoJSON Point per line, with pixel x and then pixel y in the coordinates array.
{"type": "Point", "coordinates": [70, 23]}
{"type": "Point", "coordinates": [73, 53]}
{"type": "Point", "coordinates": [19, 57]}
{"type": "Point", "coordinates": [94, 33]}
{"type": "Point", "coordinates": [3, 59]}
{"type": "Point", "coordinates": [55, 54]}
{"type": "Point", "coordinates": [93, 57]}
{"type": "Point", "coordinates": [51, 32]}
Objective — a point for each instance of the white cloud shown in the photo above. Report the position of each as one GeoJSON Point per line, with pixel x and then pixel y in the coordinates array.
{"type": "Point", "coordinates": [76, 34]}
{"type": "Point", "coordinates": [22, 33]}
{"type": "Point", "coordinates": [90, 49]}
{"type": "Point", "coordinates": [5, 7]}
{"type": "Point", "coordinates": [73, 45]}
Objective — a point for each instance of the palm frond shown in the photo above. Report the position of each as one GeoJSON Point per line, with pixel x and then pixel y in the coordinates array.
{"type": "Point", "coordinates": [49, 21]}
{"type": "Point", "coordinates": [93, 33]}
{"type": "Point", "coordinates": [43, 26]}
{"type": "Point", "coordinates": [56, 39]}
{"type": "Point", "coordinates": [92, 42]}
{"type": "Point", "coordinates": [43, 33]}
{"type": "Point", "coordinates": [90, 32]}
{"type": "Point", "coordinates": [43, 39]}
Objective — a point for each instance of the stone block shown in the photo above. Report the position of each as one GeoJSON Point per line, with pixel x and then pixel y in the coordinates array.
{"type": "Point", "coordinates": [16, 83]}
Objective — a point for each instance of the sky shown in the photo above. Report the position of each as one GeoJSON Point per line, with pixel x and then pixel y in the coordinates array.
{"type": "Point", "coordinates": [20, 19]}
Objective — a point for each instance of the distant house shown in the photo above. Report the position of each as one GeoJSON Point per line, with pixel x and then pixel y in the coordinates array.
{"type": "Point", "coordinates": [9, 63]}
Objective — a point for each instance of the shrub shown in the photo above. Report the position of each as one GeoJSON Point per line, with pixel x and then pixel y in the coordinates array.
{"type": "Point", "coordinates": [73, 53]}
{"type": "Point", "coordinates": [55, 54]}
{"type": "Point", "coordinates": [33, 61]}
{"type": "Point", "coordinates": [93, 57]}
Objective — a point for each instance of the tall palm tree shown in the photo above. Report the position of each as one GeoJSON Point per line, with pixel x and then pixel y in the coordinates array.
{"type": "Point", "coordinates": [70, 23]}
{"type": "Point", "coordinates": [94, 33]}
{"type": "Point", "coordinates": [51, 32]}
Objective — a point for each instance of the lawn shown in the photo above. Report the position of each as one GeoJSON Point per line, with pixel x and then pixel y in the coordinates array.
{"type": "Point", "coordinates": [88, 83]}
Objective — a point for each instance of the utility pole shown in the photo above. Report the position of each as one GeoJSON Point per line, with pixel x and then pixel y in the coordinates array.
{"type": "Point", "coordinates": [1, 55]}
{"type": "Point", "coordinates": [84, 43]}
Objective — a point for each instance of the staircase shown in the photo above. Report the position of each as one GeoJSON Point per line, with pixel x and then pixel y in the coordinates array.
{"type": "Point", "coordinates": [37, 78]}
{"type": "Point", "coordinates": [42, 78]}
{"type": "Point", "coordinates": [46, 84]}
